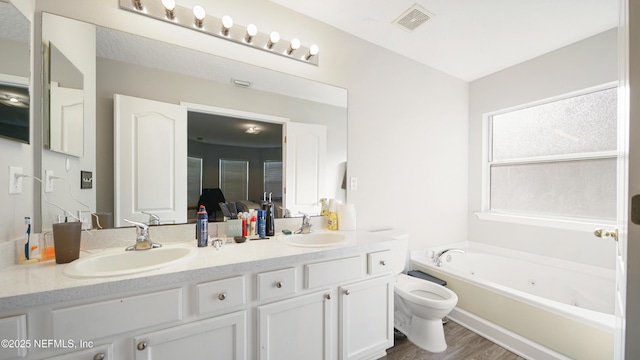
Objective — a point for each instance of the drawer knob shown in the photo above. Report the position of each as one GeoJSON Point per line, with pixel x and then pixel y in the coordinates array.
{"type": "Point", "coordinates": [328, 296]}
{"type": "Point", "coordinates": [222, 296]}
{"type": "Point", "coordinates": [383, 262]}
{"type": "Point", "coordinates": [279, 284]}
{"type": "Point", "coordinates": [99, 356]}
{"type": "Point", "coordinates": [142, 345]}
{"type": "Point", "coordinates": [347, 292]}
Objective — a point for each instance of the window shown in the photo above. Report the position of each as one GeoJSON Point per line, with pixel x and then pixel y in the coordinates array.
{"type": "Point", "coordinates": [273, 178]}
{"type": "Point", "coordinates": [234, 179]}
{"type": "Point", "coordinates": [555, 159]}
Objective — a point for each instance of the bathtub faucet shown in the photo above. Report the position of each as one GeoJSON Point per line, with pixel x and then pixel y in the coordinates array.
{"type": "Point", "coordinates": [437, 257]}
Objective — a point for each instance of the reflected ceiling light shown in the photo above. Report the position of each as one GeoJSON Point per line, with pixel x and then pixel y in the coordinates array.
{"type": "Point", "coordinates": [14, 99]}
{"type": "Point", "coordinates": [227, 23]}
{"type": "Point", "coordinates": [137, 4]}
{"type": "Point", "coordinates": [169, 7]}
{"type": "Point", "coordinates": [199, 13]}
{"type": "Point", "coordinates": [252, 31]}
{"type": "Point", "coordinates": [295, 44]}
{"type": "Point", "coordinates": [313, 51]}
{"type": "Point", "coordinates": [274, 37]}
{"type": "Point", "coordinates": [253, 130]}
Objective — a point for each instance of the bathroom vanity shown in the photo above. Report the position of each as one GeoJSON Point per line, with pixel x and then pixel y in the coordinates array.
{"type": "Point", "coordinates": [262, 299]}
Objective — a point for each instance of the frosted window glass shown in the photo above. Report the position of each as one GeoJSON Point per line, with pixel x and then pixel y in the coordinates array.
{"type": "Point", "coordinates": [580, 124]}
{"type": "Point", "coordinates": [580, 188]}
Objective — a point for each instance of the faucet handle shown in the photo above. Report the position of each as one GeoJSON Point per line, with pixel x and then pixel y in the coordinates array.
{"type": "Point", "coordinates": [139, 225]}
{"type": "Point", "coordinates": [153, 218]}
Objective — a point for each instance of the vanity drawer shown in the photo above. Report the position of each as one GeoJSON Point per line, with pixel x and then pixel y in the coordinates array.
{"type": "Point", "coordinates": [276, 283]}
{"type": "Point", "coordinates": [380, 262]}
{"type": "Point", "coordinates": [219, 295]}
{"type": "Point", "coordinates": [106, 318]}
{"type": "Point", "coordinates": [333, 272]}
{"type": "Point", "coordinates": [13, 329]}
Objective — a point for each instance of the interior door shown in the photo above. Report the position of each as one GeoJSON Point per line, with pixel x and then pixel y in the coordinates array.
{"type": "Point", "coordinates": [305, 157]}
{"type": "Point", "coordinates": [150, 160]}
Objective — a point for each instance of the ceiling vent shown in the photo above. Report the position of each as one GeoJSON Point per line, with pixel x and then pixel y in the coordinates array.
{"type": "Point", "coordinates": [413, 17]}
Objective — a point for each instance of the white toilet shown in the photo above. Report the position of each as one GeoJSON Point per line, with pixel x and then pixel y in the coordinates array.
{"type": "Point", "coordinates": [420, 305]}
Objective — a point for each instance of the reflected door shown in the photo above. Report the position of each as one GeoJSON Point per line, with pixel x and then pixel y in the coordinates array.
{"type": "Point", "coordinates": [150, 160]}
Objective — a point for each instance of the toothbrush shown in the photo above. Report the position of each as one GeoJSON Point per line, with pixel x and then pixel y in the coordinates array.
{"type": "Point", "coordinates": [27, 220]}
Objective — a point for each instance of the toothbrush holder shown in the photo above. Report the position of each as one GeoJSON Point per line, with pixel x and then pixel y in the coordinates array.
{"type": "Point", "coordinates": [66, 240]}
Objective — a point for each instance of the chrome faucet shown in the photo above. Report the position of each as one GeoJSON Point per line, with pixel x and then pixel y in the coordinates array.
{"type": "Point", "coordinates": [437, 257]}
{"type": "Point", "coordinates": [143, 242]}
{"type": "Point", "coordinates": [153, 218]}
{"type": "Point", "coordinates": [306, 224]}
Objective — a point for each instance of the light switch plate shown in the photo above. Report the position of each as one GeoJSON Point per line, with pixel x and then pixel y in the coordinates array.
{"type": "Point", "coordinates": [354, 183]}
{"type": "Point", "coordinates": [86, 179]}
{"type": "Point", "coordinates": [15, 183]}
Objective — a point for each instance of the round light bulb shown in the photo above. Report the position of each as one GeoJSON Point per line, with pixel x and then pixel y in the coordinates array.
{"type": "Point", "coordinates": [169, 4]}
{"type": "Point", "coordinates": [252, 30]}
{"type": "Point", "coordinates": [198, 12]}
{"type": "Point", "coordinates": [314, 50]}
{"type": "Point", "coordinates": [295, 44]}
{"type": "Point", "coordinates": [274, 37]}
{"type": "Point", "coordinates": [227, 22]}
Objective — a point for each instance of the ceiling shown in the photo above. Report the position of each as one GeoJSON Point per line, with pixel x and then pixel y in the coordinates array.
{"type": "Point", "coordinates": [468, 39]}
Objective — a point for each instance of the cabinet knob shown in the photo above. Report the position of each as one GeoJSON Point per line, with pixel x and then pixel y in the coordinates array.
{"type": "Point", "coordinates": [222, 296]}
{"type": "Point", "coordinates": [347, 292]}
{"type": "Point", "coordinates": [383, 262]}
{"type": "Point", "coordinates": [279, 284]}
{"type": "Point", "coordinates": [99, 356]}
{"type": "Point", "coordinates": [328, 296]}
{"type": "Point", "coordinates": [142, 345]}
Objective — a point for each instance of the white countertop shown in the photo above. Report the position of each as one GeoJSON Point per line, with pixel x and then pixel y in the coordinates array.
{"type": "Point", "coordinates": [23, 286]}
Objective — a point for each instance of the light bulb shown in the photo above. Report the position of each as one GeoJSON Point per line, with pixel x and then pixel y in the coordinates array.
{"type": "Point", "coordinates": [252, 31]}
{"type": "Point", "coordinates": [227, 23]}
{"type": "Point", "coordinates": [13, 100]}
{"type": "Point", "coordinates": [169, 6]}
{"type": "Point", "coordinates": [199, 13]}
{"type": "Point", "coordinates": [295, 44]}
{"type": "Point", "coordinates": [274, 37]}
{"type": "Point", "coordinates": [313, 51]}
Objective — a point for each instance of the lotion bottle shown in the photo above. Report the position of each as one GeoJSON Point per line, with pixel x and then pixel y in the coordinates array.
{"type": "Point", "coordinates": [332, 218]}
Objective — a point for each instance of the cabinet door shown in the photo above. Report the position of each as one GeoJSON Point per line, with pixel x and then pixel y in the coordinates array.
{"type": "Point", "coordinates": [366, 318]}
{"type": "Point", "coordinates": [104, 352]}
{"type": "Point", "coordinates": [297, 328]}
{"type": "Point", "coordinates": [221, 338]}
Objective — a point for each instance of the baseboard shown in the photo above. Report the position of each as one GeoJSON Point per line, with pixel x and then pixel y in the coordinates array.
{"type": "Point", "coordinates": [507, 339]}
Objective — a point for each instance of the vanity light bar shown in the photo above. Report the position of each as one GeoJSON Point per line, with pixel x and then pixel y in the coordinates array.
{"type": "Point", "coordinates": [223, 28]}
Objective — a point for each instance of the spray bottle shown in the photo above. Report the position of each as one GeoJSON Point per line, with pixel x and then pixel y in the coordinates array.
{"type": "Point", "coordinates": [202, 227]}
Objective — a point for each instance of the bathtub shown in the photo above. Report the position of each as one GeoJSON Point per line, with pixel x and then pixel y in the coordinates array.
{"type": "Point", "coordinates": [537, 307]}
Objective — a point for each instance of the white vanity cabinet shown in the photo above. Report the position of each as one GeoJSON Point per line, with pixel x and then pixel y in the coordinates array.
{"type": "Point", "coordinates": [223, 337]}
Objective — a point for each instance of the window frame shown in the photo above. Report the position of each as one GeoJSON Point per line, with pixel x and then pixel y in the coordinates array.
{"type": "Point", "coordinates": [552, 221]}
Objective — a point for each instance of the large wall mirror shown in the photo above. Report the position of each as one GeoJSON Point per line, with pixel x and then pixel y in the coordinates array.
{"type": "Point", "coordinates": [137, 67]}
{"type": "Point", "coordinates": [14, 74]}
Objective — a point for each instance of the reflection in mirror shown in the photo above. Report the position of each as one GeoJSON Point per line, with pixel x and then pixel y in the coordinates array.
{"type": "Point", "coordinates": [65, 103]}
{"type": "Point", "coordinates": [148, 69]}
{"type": "Point", "coordinates": [14, 74]}
{"type": "Point", "coordinates": [242, 158]}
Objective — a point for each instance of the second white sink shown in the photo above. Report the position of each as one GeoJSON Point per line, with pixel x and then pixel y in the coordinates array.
{"type": "Point", "coordinates": [320, 239]}
{"type": "Point", "coordinates": [117, 262]}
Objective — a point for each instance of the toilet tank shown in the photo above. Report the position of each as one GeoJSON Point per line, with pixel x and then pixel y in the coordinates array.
{"type": "Point", "coordinates": [401, 248]}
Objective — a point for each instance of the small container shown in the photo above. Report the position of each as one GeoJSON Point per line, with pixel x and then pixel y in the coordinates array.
{"type": "Point", "coordinates": [262, 224]}
{"type": "Point", "coordinates": [66, 237]}
{"type": "Point", "coordinates": [253, 228]}
{"type": "Point", "coordinates": [202, 227]}
{"type": "Point", "coordinates": [244, 226]}
{"type": "Point", "coordinates": [332, 218]}
{"type": "Point", "coordinates": [47, 251]}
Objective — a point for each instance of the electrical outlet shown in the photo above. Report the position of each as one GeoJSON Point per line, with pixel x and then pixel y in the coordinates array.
{"type": "Point", "coordinates": [48, 181]}
{"type": "Point", "coordinates": [15, 183]}
{"type": "Point", "coordinates": [354, 183]}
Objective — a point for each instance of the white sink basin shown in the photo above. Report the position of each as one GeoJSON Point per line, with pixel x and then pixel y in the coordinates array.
{"type": "Point", "coordinates": [117, 262]}
{"type": "Point", "coordinates": [321, 239]}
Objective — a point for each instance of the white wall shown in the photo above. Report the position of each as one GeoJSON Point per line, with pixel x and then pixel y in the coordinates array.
{"type": "Point", "coordinates": [15, 207]}
{"type": "Point", "coordinates": [66, 35]}
{"type": "Point", "coordinates": [407, 136]}
{"type": "Point", "coordinates": [585, 64]}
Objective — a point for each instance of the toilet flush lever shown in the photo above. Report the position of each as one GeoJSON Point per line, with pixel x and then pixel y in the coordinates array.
{"type": "Point", "coordinates": [603, 234]}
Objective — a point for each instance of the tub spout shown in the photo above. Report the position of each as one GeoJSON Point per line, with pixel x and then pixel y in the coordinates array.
{"type": "Point", "coordinates": [437, 257]}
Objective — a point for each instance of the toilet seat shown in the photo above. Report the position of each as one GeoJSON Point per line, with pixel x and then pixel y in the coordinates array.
{"type": "Point", "coordinates": [424, 293]}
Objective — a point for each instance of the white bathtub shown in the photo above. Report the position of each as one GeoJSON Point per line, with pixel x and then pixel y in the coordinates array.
{"type": "Point", "coordinates": [539, 307]}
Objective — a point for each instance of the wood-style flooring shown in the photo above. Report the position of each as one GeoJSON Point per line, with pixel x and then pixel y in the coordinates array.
{"type": "Point", "coordinates": [462, 344]}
